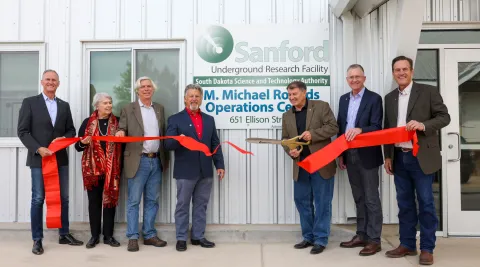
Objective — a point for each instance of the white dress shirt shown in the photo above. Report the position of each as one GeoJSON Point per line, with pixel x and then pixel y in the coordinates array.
{"type": "Point", "coordinates": [150, 127]}
{"type": "Point", "coordinates": [52, 107]}
{"type": "Point", "coordinates": [403, 98]}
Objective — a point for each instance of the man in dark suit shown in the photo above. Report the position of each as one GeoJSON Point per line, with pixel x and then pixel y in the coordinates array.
{"type": "Point", "coordinates": [43, 119]}
{"type": "Point", "coordinates": [314, 121]}
{"type": "Point", "coordinates": [361, 111]}
{"type": "Point", "coordinates": [420, 108]}
{"type": "Point", "coordinates": [192, 169]}
{"type": "Point", "coordinates": [143, 162]}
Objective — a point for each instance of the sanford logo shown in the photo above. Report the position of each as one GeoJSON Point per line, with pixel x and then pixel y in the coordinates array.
{"type": "Point", "coordinates": [215, 45]}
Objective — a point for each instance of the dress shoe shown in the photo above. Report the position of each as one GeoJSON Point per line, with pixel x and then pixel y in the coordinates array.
{"type": "Point", "coordinates": [68, 239]}
{"type": "Point", "coordinates": [400, 252]}
{"type": "Point", "coordinates": [37, 247]}
{"type": "Point", "coordinates": [92, 242]}
{"type": "Point", "coordinates": [426, 258]}
{"type": "Point", "coordinates": [370, 249]}
{"type": "Point", "coordinates": [317, 249]}
{"type": "Point", "coordinates": [132, 245]}
{"type": "Point", "coordinates": [355, 242]}
{"type": "Point", "coordinates": [181, 245]}
{"type": "Point", "coordinates": [203, 242]}
{"type": "Point", "coordinates": [154, 241]}
{"type": "Point", "coordinates": [303, 244]}
{"type": "Point", "coordinates": [109, 240]}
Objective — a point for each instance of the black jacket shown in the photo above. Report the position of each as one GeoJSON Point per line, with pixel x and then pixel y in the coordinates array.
{"type": "Point", "coordinates": [35, 128]}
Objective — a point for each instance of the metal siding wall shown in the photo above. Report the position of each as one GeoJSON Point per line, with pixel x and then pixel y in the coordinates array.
{"type": "Point", "coordinates": [374, 35]}
{"type": "Point", "coordinates": [257, 189]}
{"type": "Point", "coordinates": [451, 10]}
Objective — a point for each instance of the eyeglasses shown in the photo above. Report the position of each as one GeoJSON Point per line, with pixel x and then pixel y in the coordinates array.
{"type": "Point", "coordinates": [351, 78]}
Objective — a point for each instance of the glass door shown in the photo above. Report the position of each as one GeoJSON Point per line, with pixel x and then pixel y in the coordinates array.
{"type": "Point", "coordinates": [462, 97]}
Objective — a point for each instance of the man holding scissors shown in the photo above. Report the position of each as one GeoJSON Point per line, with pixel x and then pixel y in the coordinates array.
{"type": "Point", "coordinates": [314, 121]}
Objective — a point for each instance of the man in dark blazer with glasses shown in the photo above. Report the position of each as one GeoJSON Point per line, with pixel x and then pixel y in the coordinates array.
{"type": "Point", "coordinates": [361, 111]}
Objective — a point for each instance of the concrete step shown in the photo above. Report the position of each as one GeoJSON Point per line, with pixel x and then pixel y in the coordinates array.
{"type": "Point", "coordinates": [223, 233]}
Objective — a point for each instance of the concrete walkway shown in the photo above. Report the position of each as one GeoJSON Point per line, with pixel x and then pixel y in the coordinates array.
{"type": "Point", "coordinates": [15, 250]}
{"type": "Point", "coordinates": [450, 252]}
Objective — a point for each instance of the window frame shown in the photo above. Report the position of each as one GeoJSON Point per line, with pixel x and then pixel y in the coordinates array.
{"type": "Point", "coordinates": [24, 47]}
{"type": "Point", "coordinates": [133, 46]}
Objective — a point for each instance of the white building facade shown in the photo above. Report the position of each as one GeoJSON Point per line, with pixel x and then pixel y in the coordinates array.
{"type": "Point", "coordinates": [104, 45]}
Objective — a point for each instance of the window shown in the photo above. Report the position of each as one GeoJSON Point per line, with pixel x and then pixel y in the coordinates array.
{"type": "Point", "coordinates": [20, 68]}
{"type": "Point", "coordinates": [114, 68]}
{"type": "Point", "coordinates": [426, 67]}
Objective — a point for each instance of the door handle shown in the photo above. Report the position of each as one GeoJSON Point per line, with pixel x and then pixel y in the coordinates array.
{"type": "Point", "coordinates": [459, 149]}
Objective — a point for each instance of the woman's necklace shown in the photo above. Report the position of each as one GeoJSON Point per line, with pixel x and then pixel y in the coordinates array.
{"type": "Point", "coordinates": [100, 130]}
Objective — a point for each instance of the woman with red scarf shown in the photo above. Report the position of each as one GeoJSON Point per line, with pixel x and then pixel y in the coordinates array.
{"type": "Point", "coordinates": [101, 169]}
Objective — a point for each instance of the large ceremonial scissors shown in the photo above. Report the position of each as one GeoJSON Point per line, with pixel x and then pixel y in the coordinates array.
{"type": "Point", "coordinates": [292, 143]}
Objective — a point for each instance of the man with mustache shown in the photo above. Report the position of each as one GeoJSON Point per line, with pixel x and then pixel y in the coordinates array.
{"type": "Point", "coordinates": [143, 162]}
{"type": "Point", "coordinates": [193, 169]}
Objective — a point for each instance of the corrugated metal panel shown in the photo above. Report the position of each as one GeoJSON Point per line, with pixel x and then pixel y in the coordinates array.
{"type": "Point", "coordinates": [374, 38]}
{"type": "Point", "coordinates": [451, 10]}
{"type": "Point", "coordinates": [257, 189]}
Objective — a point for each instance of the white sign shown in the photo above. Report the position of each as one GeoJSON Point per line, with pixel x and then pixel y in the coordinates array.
{"type": "Point", "coordinates": [244, 70]}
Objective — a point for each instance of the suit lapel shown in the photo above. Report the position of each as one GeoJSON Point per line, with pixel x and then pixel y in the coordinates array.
{"type": "Point", "coordinates": [413, 99]}
{"type": "Point", "coordinates": [394, 104]}
{"type": "Point", "coordinates": [310, 111]}
{"type": "Point", "coordinates": [138, 114]}
{"type": "Point", "coordinates": [290, 120]}
{"type": "Point", "coordinates": [44, 108]}
{"type": "Point", "coordinates": [363, 104]}
{"type": "Point", "coordinates": [205, 124]}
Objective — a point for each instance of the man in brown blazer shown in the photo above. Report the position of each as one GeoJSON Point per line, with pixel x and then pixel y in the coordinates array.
{"type": "Point", "coordinates": [143, 162]}
{"type": "Point", "coordinates": [314, 121]}
{"type": "Point", "coordinates": [420, 108]}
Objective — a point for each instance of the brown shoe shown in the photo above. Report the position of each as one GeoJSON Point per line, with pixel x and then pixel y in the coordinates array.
{"type": "Point", "coordinates": [426, 258]}
{"type": "Point", "coordinates": [355, 242]}
{"type": "Point", "coordinates": [132, 245]}
{"type": "Point", "coordinates": [400, 252]}
{"type": "Point", "coordinates": [370, 249]}
{"type": "Point", "coordinates": [154, 241]}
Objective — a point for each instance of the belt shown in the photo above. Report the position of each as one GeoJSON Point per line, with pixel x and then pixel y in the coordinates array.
{"type": "Point", "coordinates": [403, 149]}
{"type": "Point", "coordinates": [150, 155]}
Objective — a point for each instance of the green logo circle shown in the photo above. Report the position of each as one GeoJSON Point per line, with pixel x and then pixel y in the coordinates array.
{"type": "Point", "coordinates": [215, 45]}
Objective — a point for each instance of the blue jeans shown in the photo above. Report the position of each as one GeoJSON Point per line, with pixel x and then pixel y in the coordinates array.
{"type": "Point", "coordinates": [310, 190]}
{"type": "Point", "coordinates": [410, 181]}
{"type": "Point", "coordinates": [38, 197]}
{"type": "Point", "coordinates": [146, 181]}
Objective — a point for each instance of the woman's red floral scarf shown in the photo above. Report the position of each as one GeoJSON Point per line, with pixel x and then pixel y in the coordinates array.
{"type": "Point", "coordinates": [96, 162]}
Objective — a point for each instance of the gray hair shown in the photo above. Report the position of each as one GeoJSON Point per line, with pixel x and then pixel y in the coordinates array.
{"type": "Point", "coordinates": [50, 70]}
{"type": "Point", "coordinates": [98, 97]}
{"type": "Point", "coordinates": [143, 78]}
{"type": "Point", "coordinates": [194, 87]}
{"type": "Point", "coordinates": [355, 66]}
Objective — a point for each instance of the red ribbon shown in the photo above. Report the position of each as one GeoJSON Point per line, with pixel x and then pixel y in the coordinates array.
{"type": "Point", "coordinates": [329, 153]}
{"type": "Point", "coordinates": [50, 168]}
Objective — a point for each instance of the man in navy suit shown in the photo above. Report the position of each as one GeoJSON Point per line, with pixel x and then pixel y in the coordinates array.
{"type": "Point", "coordinates": [193, 169]}
{"type": "Point", "coordinates": [43, 119]}
{"type": "Point", "coordinates": [360, 111]}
